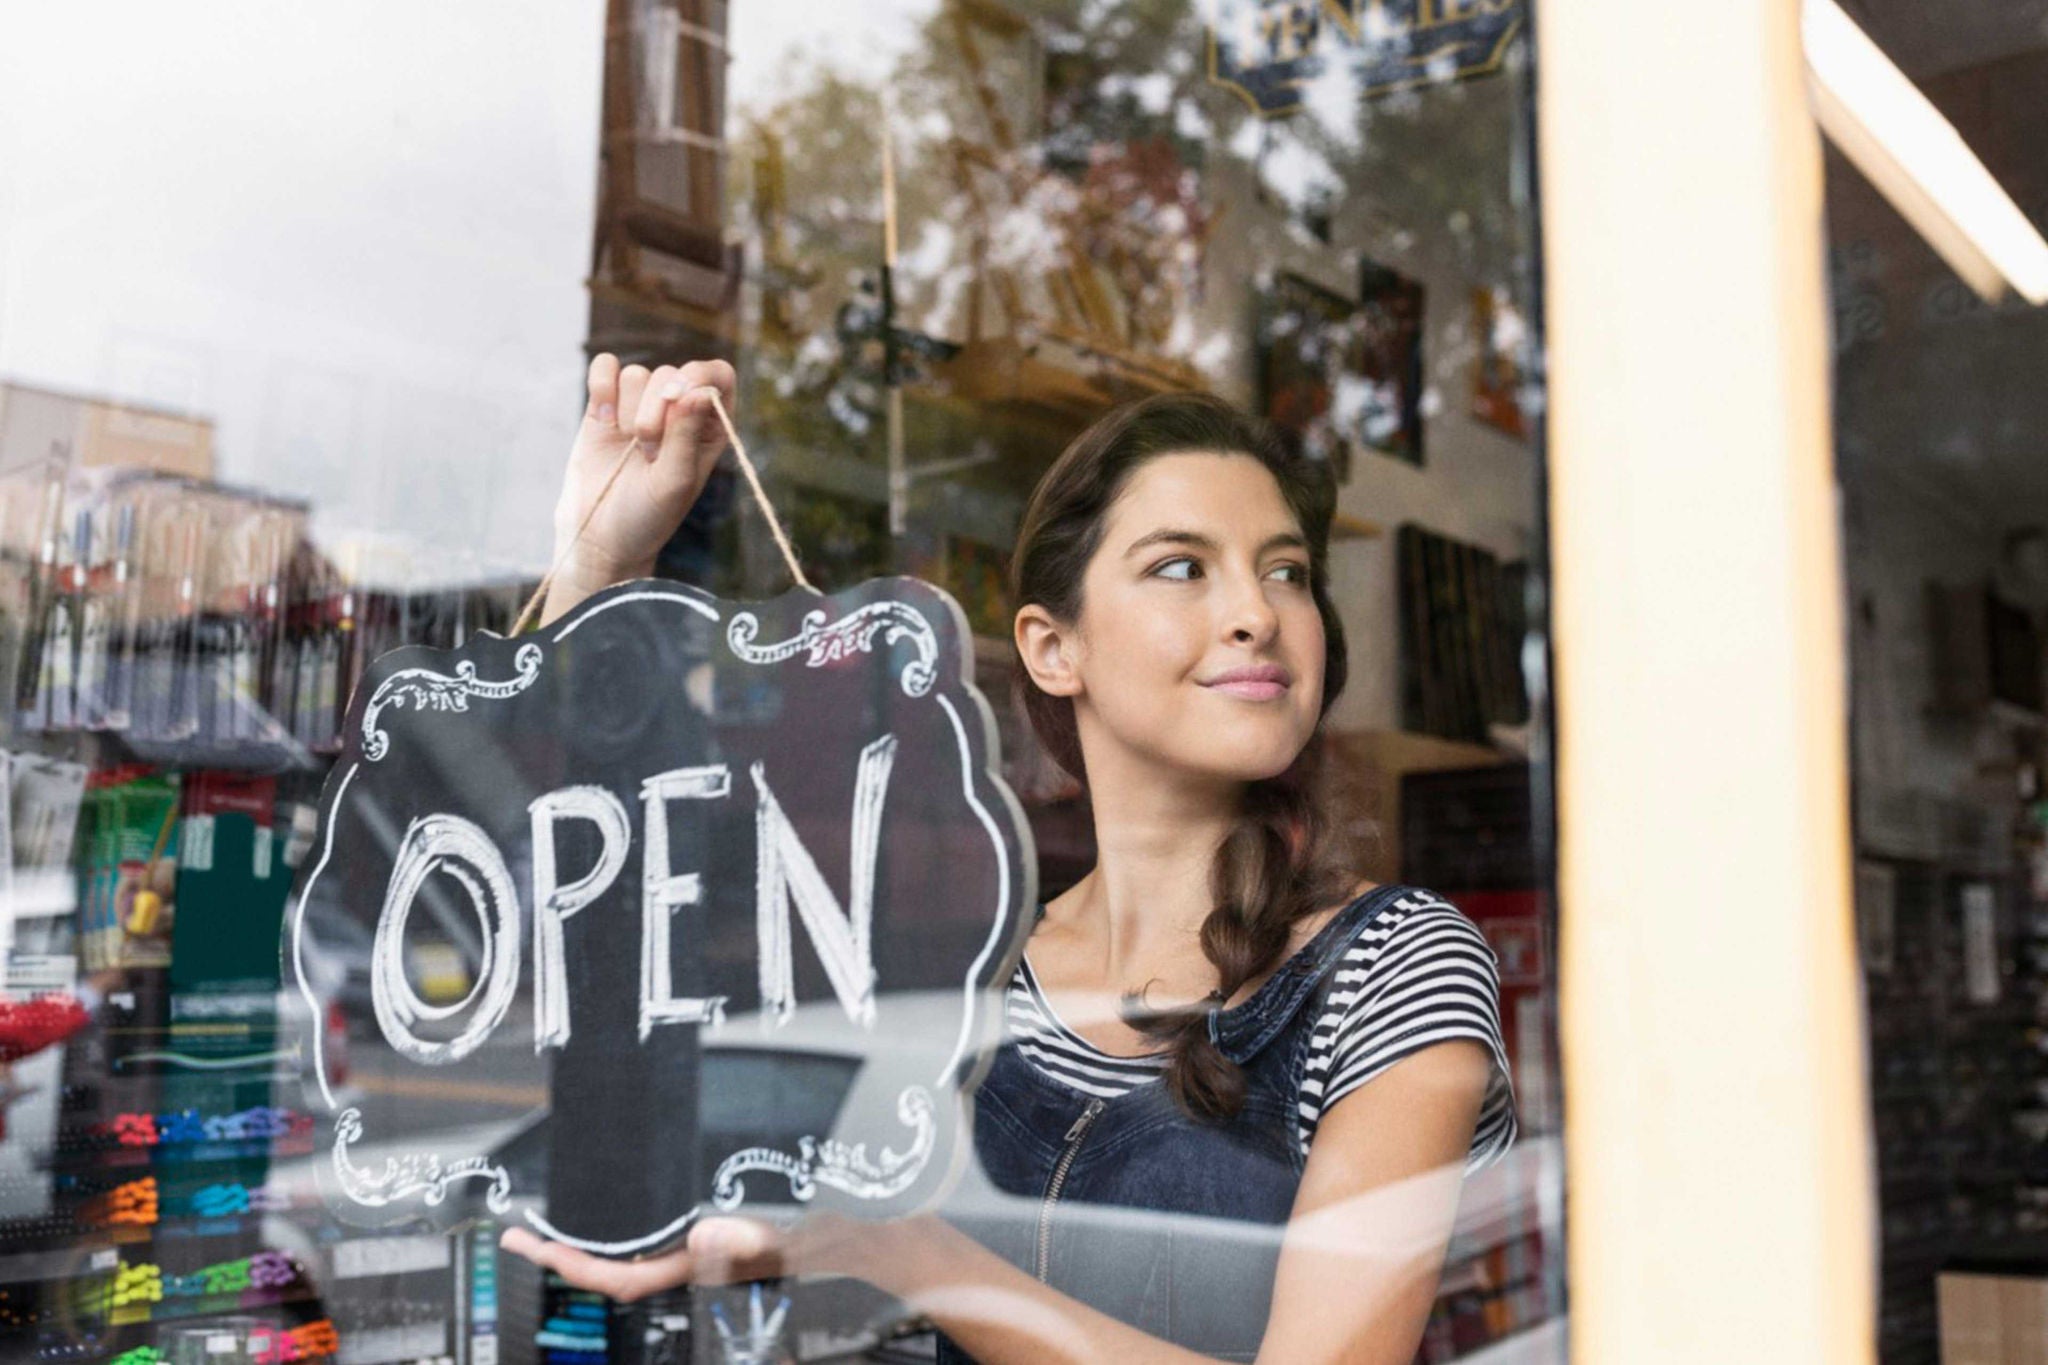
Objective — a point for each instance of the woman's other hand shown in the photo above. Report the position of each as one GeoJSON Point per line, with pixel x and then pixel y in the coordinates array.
{"type": "Point", "coordinates": [716, 1251]}
{"type": "Point", "coordinates": [680, 437]}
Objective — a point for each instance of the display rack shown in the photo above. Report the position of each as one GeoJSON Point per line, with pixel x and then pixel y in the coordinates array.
{"type": "Point", "coordinates": [174, 664]}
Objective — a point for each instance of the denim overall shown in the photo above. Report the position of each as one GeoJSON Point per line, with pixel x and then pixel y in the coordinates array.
{"type": "Point", "coordinates": [1129, 1205]}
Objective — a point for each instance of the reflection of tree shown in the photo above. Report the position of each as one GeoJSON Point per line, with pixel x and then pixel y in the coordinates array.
{"type": "Point", "coordinates": [1064, 168]}
{"type": "Point", "coordinates": [1437, 161]}
{"type": "Point", "coordinates": [1092, 237]}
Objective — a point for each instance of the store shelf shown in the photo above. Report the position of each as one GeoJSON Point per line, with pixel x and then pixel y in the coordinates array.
{"type": "Point", "coordinates": [98, 1257]}
{"type": "Point", "coordinates": [205, 1306]}
{"type": "Point", "coordinates": [362, 1257]}
{"type": "Point", "coordinates": [389, 1345]}
{"type": "Point", "coordinates": [249, 755]}
{"type": "Point", "coordinates": [178, 1154]}
{"type": "Point", "coordinates": [188, 1227]}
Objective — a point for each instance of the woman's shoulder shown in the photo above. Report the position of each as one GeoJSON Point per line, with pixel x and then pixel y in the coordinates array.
{"type": "Point", "coordinates": [1417, 972]}
{"type": "Point", "coordinates": [1311, 927]}
{"type": "Point", "coordinates": [1412, 927]}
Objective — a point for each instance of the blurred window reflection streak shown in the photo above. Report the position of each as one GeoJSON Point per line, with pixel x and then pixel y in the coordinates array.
{"type": "Point", "coordinates": [1896, 137]}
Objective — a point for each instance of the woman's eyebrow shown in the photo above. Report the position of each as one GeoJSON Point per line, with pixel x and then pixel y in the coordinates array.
{"type": "Point", "coordinates": [1170, 535]}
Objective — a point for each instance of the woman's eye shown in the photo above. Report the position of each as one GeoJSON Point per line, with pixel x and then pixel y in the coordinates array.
{"type": "Point", "coordinates": [1293, 573]}
{"type": "Point", "coordinates": [1182, 569]}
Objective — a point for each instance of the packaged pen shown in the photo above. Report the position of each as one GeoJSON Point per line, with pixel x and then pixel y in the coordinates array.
{"type": "Point", "coordinates": [126, 592]}
{"type": "Point", "coordinates": [32, 697]}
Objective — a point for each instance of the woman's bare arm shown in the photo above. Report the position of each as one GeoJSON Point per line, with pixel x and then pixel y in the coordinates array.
{"type": "Point", "coordinates": [1365, 1247]}
{"type": "Point", "coordinates": [1357, 1274]}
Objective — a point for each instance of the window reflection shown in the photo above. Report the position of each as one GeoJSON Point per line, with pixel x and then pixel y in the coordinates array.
{"type": "Point", "coordinates": [1322, 213]}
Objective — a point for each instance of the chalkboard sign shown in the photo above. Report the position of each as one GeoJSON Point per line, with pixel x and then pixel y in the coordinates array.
{"type": "Point", "coordinates": [675, 906]}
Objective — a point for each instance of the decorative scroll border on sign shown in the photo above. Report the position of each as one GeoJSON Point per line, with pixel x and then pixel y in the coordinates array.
{"type": "Point", "coordinates": [854, 633]}
{"type": "Point", "coordinates": [422, 689]}
{"type": "Point", "coordinates": [843, 1166]}
{"type": "Point", "coordinates": [411, 1174]}
{"type": "Point", "coordinates": [818, 1163]}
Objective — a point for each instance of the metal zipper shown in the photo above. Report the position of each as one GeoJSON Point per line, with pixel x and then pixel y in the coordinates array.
{"type": "Point", "coordinates": [1059, 1178]}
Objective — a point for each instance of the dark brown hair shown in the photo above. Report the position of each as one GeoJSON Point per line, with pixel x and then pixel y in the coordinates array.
{"type": "Point", "coordinates": [1297, 845]}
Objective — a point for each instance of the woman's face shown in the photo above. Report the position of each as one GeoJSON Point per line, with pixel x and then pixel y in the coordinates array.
{"type": "Point", "coordinates": [1199, 645]}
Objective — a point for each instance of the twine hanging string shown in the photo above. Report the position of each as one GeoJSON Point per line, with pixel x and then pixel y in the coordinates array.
{"type": "Point", "coordinates": [739, 448]}
{"type": "Point", "coordinates": [540, 594]}
{"type": "Point", "coordinates": [547, 580]}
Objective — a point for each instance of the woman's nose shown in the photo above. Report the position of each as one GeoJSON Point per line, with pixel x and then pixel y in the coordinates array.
{"type": "Point", "coordinates": [1252, 618]}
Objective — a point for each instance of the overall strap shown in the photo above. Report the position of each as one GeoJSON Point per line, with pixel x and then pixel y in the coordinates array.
{"type": "Point", "coordinates": [1243, 1030]}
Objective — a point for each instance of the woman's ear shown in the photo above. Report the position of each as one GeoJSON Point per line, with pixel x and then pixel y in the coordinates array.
{"type": "Point", "coordinates": [1045, 646]}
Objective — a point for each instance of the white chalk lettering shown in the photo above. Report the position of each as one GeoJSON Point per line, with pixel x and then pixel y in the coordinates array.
{"type": "Point", "coordinates": [787, 885]}
{"type": "Point", "coordinates": [785, 871]}
{"type": "Point", "coordinates": [454, 846]}
{"type": "Point", "coordinates": [554, 904]}
{"type": "Point", "coordinates": [664, 891]}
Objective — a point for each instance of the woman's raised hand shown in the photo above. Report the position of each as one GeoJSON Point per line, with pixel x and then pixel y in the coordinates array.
{"type": "Point", "coordinates": [669, 414]}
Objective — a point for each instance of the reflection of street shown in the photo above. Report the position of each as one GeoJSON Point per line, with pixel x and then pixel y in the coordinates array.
{"type": "Point", "coordinates": [481, 1092]}
{"type": "Point", "coordinates": [410, 1111]}
{"type": "Point", "coordinates": [502, 1080]}
{"type": "Point", "coordinates": [500, 1083]}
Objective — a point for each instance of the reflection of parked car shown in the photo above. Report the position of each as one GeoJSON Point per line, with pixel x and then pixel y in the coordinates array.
{"type": "Point", "coordinates": [336, 950]}
{"type": "Point", "coordinates": [336, 954]}
{"type": "Point", "coordinates": [752, 1097]}
{"type": "Point", "coordinates": [295, 1022]}
{"type": "Point", "coordinates": [815, 1076]}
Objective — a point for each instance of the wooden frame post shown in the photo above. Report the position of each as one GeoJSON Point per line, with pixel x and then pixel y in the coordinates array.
{"type": "Point", "coordinates": [1719, 1187]}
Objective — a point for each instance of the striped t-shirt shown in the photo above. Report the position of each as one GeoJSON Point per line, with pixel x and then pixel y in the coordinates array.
{"type": "Point", "coordinates": [1417, 973]}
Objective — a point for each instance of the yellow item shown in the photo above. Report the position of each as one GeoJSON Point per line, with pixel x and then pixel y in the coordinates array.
{"type": "Point", "coordinates": [144, 911]}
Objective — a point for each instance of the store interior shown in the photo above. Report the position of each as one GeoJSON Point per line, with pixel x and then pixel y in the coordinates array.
{"type": "Point", "coordinates": [936, 240]}
{"type": "Point", "coordinates": [1944, 505]}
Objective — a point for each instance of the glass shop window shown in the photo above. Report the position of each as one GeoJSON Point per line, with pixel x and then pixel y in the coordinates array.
{"type": "Point", "coordinates": [1945, 542]}
{"type": "Point", "coordinates": [294, 321]}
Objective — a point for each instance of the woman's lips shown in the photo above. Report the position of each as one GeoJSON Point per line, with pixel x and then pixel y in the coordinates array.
{"type": "Point", "coordinates": [1251, 689]}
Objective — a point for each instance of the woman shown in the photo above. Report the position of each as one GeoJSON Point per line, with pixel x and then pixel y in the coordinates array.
{"type": "Point", "coordinates": [1220, 1026]}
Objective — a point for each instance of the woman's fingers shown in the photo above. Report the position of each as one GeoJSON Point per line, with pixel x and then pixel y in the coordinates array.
{"type": "Point", "coordinates": [650, 416]}
{"type": "Point", "coordinates": [717, 1251]}
{"type": "Point", "coordinates": [603, 383]}
{"type": "Point", "coordinates": [697, 376]}
{"type": "Point", "coordinates": [632, 391]}
{"type": "Point", "coordinates": [694, 436]}
{"type": "Point", "coordinates": [622, 1280]}
{"type": "Point", "coordinates": [667, 410]}
{"type": "Point", "coordinates": [712, 374]}
{"type": "Point", "coordinates": [694, 420]}
{"type": "Point", "coordinates": [728, 1249]}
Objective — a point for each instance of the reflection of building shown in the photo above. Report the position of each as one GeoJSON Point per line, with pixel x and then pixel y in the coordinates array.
{"type": "Point", "coordinates": [663, 279]}
{"type": "Point", "coordinates": [1086, 324]}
